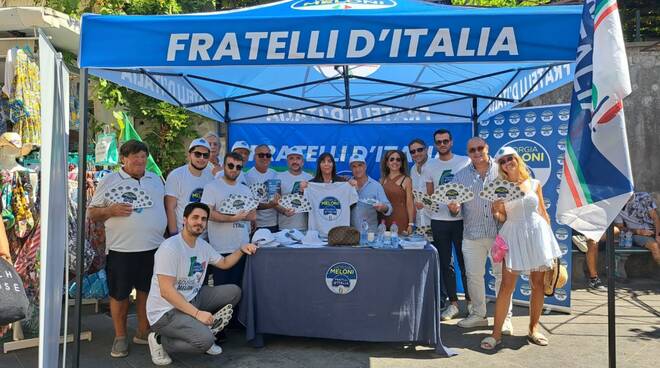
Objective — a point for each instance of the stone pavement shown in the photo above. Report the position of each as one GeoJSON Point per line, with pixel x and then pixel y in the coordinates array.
{"type": "Point", "coordinates": [576, 340]}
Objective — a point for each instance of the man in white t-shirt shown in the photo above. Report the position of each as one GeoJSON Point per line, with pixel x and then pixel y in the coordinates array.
{"type": "Point", "coordinates": [132, 236]}
{"type": "Point", "coordinates": [420, 155]}
{"type": "Point", "coordinates": [331, 205]}
{"type": "Point", "coordinates": [179, 306]}
{"type": "Point", "coordinates": [447, 229]}
{"type": "Point", "coordinates": [262, 173]}
{"type": "Point", "coordinates": [227, 232]}
{"type": "Point", "coordinates": [185, 184]}
{"type": "Point", "coordinates": [291, 180]}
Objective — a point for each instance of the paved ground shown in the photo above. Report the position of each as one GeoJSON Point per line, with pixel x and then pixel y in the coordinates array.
{"type": "Point", "coordinates": [576, 340]}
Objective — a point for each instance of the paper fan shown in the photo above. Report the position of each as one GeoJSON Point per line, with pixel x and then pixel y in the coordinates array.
{"type": "Point", "coordinates": [129, 194]}
{"type": "Point", "coordinates": [236, 203]}
{"type": "Point", "coordinates": [501, 190]}
{"type": "Point", "coordinates": [295, 201]}
{"type": "Point", "coordinates": [369, 201]}
{"type": "Point", "coordinates": [424, 231]}
{"type": "Point", "coordinates": [426, 200]}
{"type": "Point", "coordinates": [452, 192]}
{"type": "Point", "coordinates": [260, 192]}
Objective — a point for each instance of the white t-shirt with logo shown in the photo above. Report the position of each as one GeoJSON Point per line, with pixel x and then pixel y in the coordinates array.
{"type": "Point", "coordinates": [186, 188]}
{"type": "Point", "coordinates": [225, 237]}
{"type": "Point", "coordinates": [141, 231]}
{"type": "Point", "coordinates": [266, 217]}
{"type": "Point", "coordinates": [331, 205]}
{"type": "Point", "coordinates": [419, 183]}
{"type": "Point", "coordinates": [441, 172]}
{"type": "Point", "coordinates": [291, 184]}
{"type": "Point", "coordinates": [188, 264]}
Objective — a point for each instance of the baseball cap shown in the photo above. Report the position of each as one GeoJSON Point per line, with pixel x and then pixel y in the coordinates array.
{"type": "Point", "coordinates": [505, 151]}
{"type": "Point", "coordinates": [295, 150]}
{"type": "Point", "coordinates": [199, 142]}
{"type": "Point", "coordinates": [357, 158]}
{"type": "Point", "coordinates": [240, 145]}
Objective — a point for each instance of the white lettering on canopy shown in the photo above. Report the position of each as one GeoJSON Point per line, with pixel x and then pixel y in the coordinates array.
{"type": "Point", "coordinates": [418, 43]}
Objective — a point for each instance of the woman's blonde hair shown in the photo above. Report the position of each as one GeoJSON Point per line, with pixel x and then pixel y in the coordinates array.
{"type": "Point", "coordinates": [522, 169]}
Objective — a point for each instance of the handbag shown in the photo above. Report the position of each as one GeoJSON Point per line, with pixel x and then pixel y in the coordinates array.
{"type": "Point", "coordinates": [499, 249]}
{"type": "Point", "coordinates": [343, 236]}
{"type": "Point", "coordinates": [554, 278]}
{"type": "Point", "coordinates": [13, 301]}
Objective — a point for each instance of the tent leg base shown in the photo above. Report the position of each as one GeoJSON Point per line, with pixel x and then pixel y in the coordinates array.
{"type": "Point", "coordinates": [34, 342]}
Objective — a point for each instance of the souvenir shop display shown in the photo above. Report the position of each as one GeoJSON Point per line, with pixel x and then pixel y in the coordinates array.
{"type": "Point", "coordinates": [503, 190]}
{"type": "Point", "coordinates": [23, 90]}
{"type": "Point", "coordinates": [295, 201]}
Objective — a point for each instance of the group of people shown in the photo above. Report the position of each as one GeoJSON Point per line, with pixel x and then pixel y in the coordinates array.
{"type": "Point", "coordinates": [162, 251]}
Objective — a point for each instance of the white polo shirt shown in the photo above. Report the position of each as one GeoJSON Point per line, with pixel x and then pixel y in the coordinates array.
{"type": "Point", "coordinates": [440, 172]}
{"type": "Point", "coordinates": [143, 229]}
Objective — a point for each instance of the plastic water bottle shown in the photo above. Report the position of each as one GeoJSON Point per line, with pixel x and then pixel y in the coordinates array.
{"type": "Point", "coordinates": [364, 230]}
{"type": "Point", "coordinates": [394, 231]}
{"type": "Point", "coordinates": [622, 239]}
{"type": "Point", "coordinates": [380, 234]}
{"type": "Point", "coordinates": [629, 236]}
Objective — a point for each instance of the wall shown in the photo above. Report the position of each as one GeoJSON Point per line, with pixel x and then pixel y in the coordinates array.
{"type": "Point", "coordinates": [642, 109]}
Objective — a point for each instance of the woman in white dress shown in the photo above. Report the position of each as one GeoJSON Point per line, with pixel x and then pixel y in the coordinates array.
{"type": "Point", "coordinates": [532, 246]}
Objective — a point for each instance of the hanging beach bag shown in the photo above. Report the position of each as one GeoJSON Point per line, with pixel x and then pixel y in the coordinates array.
{"type": "Point", "coordinates": [106, 150]}
{"type": "Point", "coordinates": [13, 301]}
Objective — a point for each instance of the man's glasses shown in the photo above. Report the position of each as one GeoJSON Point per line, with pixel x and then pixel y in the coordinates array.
{"type": "Point", "coordinates": [231, 166]}
{"type": "Point", "coordinates": [476, 149]}
{"type": "Point", "coordinates": [397, 159]}
{"type": "Point", "coordinates": [201, 154]}
{"type": "Point", "coordinates": [443, 142]}
{"type": "Point", "coordinates": [417, 150]}
{"type": "Point", "coordinates": [504, 160]}
{"type": "Point", "coordinates": [264, 155]}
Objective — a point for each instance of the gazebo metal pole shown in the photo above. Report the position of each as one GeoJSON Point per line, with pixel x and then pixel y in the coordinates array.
{"type": "Point", "coordinates": [475, 117]}
{"type": "Point", "coordinates": [611, 313]}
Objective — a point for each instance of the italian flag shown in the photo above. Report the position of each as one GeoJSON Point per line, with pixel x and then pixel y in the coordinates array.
{"type": "Point", "coordinates": [597, 179]}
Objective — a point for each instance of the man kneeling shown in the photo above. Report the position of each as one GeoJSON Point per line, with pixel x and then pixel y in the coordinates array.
{"type": "Point", "coordinates": [178, 307]}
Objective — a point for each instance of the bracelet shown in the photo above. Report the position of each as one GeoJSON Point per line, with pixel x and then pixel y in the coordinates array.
{"type": "Point", "coordinates": [196, 313]}
{"type": "Point", "coordinates": [411, 224]}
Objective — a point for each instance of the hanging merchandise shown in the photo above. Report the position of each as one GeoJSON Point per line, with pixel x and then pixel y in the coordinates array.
{"type": "Point", "coordinates": [106, 150]}
{"type": "Point", "coordinates": [25, 98]}
{"type": "Point", "coordinates": [7, 214]}
{"type": "Point", "coordinates": [95, 286]}
{"type": "Point", "coordinates": [88, 251]}
{"type": "Point", "coordinates": [13, 301]}
{"type": "Point", "coordinates": [24, 218]}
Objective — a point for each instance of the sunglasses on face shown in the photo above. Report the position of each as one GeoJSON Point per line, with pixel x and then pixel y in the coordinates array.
{"type": "Point", "coordinates": [417, 150]}
{"type": "Point", "coordinates": [264, 155]}
{"type": "Point", "coordinates": [231, 166]}
{"type": "Point", "coordinates": [393, 159]}
{"type": "Point", "coordinates": [476, 149]}
{"type": "Point", "coordinates": [443, 142]}
{"type": "Point", "coordinates": [201, 154]}
{"type": "Point", "coordinates": [504, 160]}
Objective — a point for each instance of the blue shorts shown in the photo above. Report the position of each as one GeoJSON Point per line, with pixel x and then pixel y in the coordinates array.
{"type": "Point", "coordinates": [641, 240]}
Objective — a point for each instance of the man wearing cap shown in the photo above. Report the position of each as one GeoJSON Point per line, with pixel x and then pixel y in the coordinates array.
{"type": "Point", "coordinates": [185, 184]}
{"type": "Point", "coordinates": [242, 148]}
{"type": "Point", "coordinates": [479, 231]}
{"type": "Point", "coordinates": [132, 237]}
{"type": "Point", "coordinates": [447, 229]}
{"type": "Point", "coordinates": [228, 232]}
{"type": "Point", "coordinates": [291, 180]}
{"type": "Point", "coordinates": [259, 174]}
{"type": "Point", "coordinates": [372, 199]}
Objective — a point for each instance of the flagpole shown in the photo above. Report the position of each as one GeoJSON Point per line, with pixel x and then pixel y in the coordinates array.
{"type": "Point", "coordinates": [611, 314]}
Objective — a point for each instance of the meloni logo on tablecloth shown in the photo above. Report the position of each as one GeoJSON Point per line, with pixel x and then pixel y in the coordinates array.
{"type": "Point", "coordinates": [341, 278]}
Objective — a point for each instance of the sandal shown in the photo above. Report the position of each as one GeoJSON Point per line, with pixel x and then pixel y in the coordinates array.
{"type": "Point", "coordinates": [489, 343]}
{"type": "Point", "coordinates": [221, 318]}
{"type": "Point", "coordinates": [537, 338]}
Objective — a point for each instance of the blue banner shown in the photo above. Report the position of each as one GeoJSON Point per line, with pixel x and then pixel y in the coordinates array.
{"type": "Point", "coordinates": [539, 136]}
{"type": "Point", "coordinates": [342, 141]}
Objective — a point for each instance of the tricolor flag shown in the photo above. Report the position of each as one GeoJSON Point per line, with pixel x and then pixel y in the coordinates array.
{"type": "Point", "coordinates": [597, 180]}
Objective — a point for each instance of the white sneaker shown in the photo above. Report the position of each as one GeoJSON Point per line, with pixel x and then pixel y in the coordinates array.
{"type": "Point", "coordinates": [473, 320]}
{"type": "Point", "coordinates": [507, 327]}
{"type": "Point", "coordinates": [214, 350]}
{"type": "Point", "coordinates": [158, 354]}
{"type": "Point", "coordinates": [449, 313]}
{"type": "Point", "coordinates": [580, 242]}
{"type": "Point", "coordinates": [470, 309]}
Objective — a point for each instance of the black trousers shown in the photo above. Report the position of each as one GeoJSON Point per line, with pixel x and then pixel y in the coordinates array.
{"type": "Point", "coordinates": [446, 233]}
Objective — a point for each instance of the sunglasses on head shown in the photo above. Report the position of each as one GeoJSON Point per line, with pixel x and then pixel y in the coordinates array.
{"type": "Point", "coordinates": [504, 160]}
{"type": "Point", "coordinates": [476, 149]}
{"type": "Point", "coordinates": [264, 155]}
{"type": "Point", "coordinates": [201, 154]}
{"type": "Point", "coordinates": [231, 166]}
{"type": "Point", "coordinates": [443, 142]}
{"type": "Point", "coordinates": [392, 159]}
{"type": "Point", "coordinates": [417, 150]}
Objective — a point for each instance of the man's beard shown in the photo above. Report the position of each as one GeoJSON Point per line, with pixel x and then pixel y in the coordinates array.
{"type": "Point", "coordinates": [192, 231]}
{"type": "Point", "coordinates": [197, 167]}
